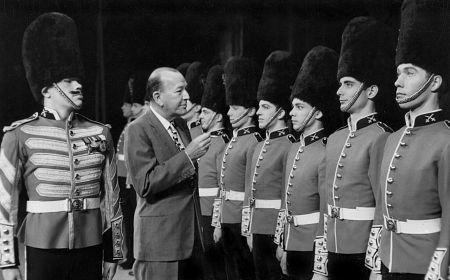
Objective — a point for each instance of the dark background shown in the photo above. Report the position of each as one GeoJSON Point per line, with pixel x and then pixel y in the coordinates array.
{"type": "Point", "coordinates": [119, 36]}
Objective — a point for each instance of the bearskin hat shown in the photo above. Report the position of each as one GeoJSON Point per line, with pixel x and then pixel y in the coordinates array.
{"type": "Point", "coordinates": [195, 78]}
{"type": "Point", "coordinates": [214, 94]}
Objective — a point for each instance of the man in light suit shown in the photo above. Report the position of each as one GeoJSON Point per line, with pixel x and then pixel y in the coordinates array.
{"type": "Point", "coordinates": [162, 166]}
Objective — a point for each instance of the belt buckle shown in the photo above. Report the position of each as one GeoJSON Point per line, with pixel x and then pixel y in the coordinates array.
{"type": "Point", "coordinates": [391, 224]}
{"type": "Point", "coordinates": [251, 201]}
{"type": "Point", "coordinates": [75, 204]}
{"type": "Point", "coordinates": [335, 212]}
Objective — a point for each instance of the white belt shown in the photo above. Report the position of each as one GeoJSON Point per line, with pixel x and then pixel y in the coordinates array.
{"type": "Point", "coordinates": [121, 157]}
{"type": "Point", "coordinates": [306, 219]}
{"type": "Point", "coordinates": [268, 203]}
{"type": "Point", "coordinates": [208, 192]}
{"type": "Point", "coordinates": [356, 214]}
{"type": "Point", "coordinates": [67, 205]}
{"type": "Point", "coordinates": [413, 226]}
{"type": "Point", "coordinates": [233, 195]}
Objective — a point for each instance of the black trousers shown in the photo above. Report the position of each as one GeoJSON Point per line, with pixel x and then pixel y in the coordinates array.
{"type": "Point", "coordinates": [238, 259]}
{"type": "Point", "coordinates": [399, 276]}
{"type": "Point", "coordinates": [128, 205]}
{"type": "Point", "coordinates": [347, 267]}
{"type": "Point", "coordinates": [212, 259]}
{"type": "Point", "coordinates": [267, 267]}
{"type": "Point", "coordinates": [64, 264]}
{"type": "Point", "coordinates": [300, 265]}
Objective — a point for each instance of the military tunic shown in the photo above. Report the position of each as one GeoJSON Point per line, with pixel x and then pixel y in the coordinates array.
{"type": "Point", "coordinates": [68, 170]}
{"type": "Point", "coordinates": [415, 197]}
{"type": "Point", "coordinates": [305, 172]}
{"type": "Point", "coordinates": [121, 167]}
{"type": "Point", "coordinates": [353, 158]}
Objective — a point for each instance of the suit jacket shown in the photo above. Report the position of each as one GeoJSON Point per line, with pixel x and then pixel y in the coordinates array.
{"type": "Point", "coordinates": [164, 180]}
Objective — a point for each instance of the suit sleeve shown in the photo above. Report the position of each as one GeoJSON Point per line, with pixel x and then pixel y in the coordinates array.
{"type": "Point", "coordinates": [10, 186]}
{"type": "Point", "coordinates": [320, 242]}
{"type": "Point", "coordinates": [372, 260]}
{"type": "Point", "coordinates": [439, 263]}
{"type": "Point", "coordinates": [149, 176]}
{"type": "Point", "coordinates": [113, 241]}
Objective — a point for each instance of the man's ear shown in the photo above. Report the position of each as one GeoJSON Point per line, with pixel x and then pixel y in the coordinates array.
{"type": "Point", "coordinates": [157, 98]}
{"type": "Point", "coordinates": [437, 82]}
{"type": "Point", "coordinates": [45, 93]}
{"type": "Point", "coordinates": [281, 114]}
{"type": "Point", "coordinates": [251, 111]}
{"type": "Point", "coordinates": [197, 108]}
{"type": "Point", "coordinates": [318, 114]}
{"type": "Point", "coordinates": [372, 91]}
{"type": "Point", "coordinates": [219, 118]}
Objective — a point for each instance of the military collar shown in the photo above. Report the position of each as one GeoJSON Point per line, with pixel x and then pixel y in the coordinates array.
{"type": "Point", "coordinates": [218, 132]}
{"type": "Point", "coordinates": [50, 114]}
{"type": "Point", "coordinates": [424, 119]}
{"type": "Point", "coordinates": [244, 131]}
{"type": "Point", "coordinates": [194, 124]}
{"type": "Point", "coordinates": [364, 121]}
{"type": "Point", "coordinates": [313, 137]}
{"type": "Point", "coordinates": [277, 133]}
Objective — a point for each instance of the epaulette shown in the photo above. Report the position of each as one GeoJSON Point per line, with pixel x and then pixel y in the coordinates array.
{"type": "Point", "coordinates": [384, 127]}
{"type": "Point", "coordinates": [225, 138]}
{"type": "Point", "coordinates": [324, 141]}
{"type": "Point", "coordinates": [258, 137]}
{"type": "Point", "coordinates": [96, 122]}
{"type": "Point", "coordinates": [291, 138]}
{"type": "Point", "coordinates": [16, 124]}
{"type": "Point", "coordinates": [447, 123]}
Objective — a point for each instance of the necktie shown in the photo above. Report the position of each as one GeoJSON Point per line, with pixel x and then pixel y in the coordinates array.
{"type": "Point", "coordinates": [176, 138]}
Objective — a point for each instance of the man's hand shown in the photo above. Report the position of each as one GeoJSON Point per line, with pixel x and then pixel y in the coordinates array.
{"type": "Point", "coordinates": [374, 276]}
{"type": "Point", "coordinates": [317, 276]}
{"type": "Point", "coordinates": [199, 146]}
{"type": "Point", "coordinates": [279, 253]}
{"type": "Point", "coordinates": [11, 274]}
{"type": "Point", "coordinates": [217, 235]}
{"type": "Point", "coordinates": [250, 242]}
{"type": "Point", "coordinates": [283, 263]}
{"type": "Point", "coordinates": [109, 270]}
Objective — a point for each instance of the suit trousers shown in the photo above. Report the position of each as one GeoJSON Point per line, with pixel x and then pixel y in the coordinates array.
{"type": "Point", "coordinates": [238, 258]}
{"type": "Point", "coordinates": [212, 259]}
{"type": "Point", "coordinates": [128, 205]}
{"type": "Point", "coordinates": [267, 267]}
{"type": "Point", "coordinates": [386, 275]}
{"type": "Point", "coordinates": [300, 265]}
{"type": "Point", "coordinates": [347, 267]}
{"type": "Point", "coordinates": [64, 264]}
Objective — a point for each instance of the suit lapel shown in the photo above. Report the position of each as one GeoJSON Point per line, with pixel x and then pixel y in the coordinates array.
{"type": "Point", "coordinates": [183, 131]}
{"type": "Point", "coordinates": [160, 132]}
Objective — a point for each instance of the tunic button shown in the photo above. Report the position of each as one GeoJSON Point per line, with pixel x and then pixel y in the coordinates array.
{"type": "Point", "coordinates": [291, 175]}
{"type": "Point", "coordinates": [226, 153]}
{"type": "Point", "coordinates": [71, 133]}
{"type": "Point", "coordinates": [77, 192]}
{"type": "Point", "coordinates": [348, 145]}
{"type": "Point", "coordinates": [288, 203]}
{"type": "Point", "coordinates": [294, 167]}
{"type": "Point", "coordinates": [352, 135]}
{"type": "Point", "coordinates": [266, 142]}
{"type": "Point", "coordinates": [389, 193]}
{"type": "Point", "coordinates": [290, 184]}
{"type": "Point", "coordinates": [300, 151]}
{"type": "Point", "coordinates": [389, 205]}
{"type": "Point", "coordinates": [230, 147]}
{"type": "Point", "coordinates": [336, 197]}
{"type": "Point", "coordinates": [74, 146]}
{"type": "Point", "coordinates": [233, 139]}
{"type": "Point", "coordinates": [392, 167]}
{"type": "Point", "coordinates": [297, 158]}
{"type": "Point", "coordinates": [77, 176]}
{"type": "Point", "coordinates": [403, 144]}
{"type": "Point", "coordinates": [339, 176]}
{"type": "Point", "coordinates": [254, 181]}
{"type": "Point", "coordinates": [76, 161]}
{"type": "Point", "coordinates": [340, 165]}
{"type": "Point", "coordinates": [335, 187]}
{"type": "Point", "coordinates": [390, 180]}
{"type": "Point", "coordinates": [407, 132]}
{"type": "Point", "coordinates": [288, 193]}
{"type": "Point", "coordinates": [343, 155]}
{"type": "Point", "coordinates": [253, 189]}
{"type": "Point", "coordinates": [396, 155]}
{"type": "Point", "coordinates": [261, 157]}
{"type": "Point", "coordinates": [264, 150]}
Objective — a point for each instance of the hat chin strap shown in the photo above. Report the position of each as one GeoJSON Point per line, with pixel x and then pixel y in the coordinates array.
{"type": "Point", "coordinates": [307, 119]}
{"type": "Point", "coordinates": [64, 95]}
{"type": "Point", "coordinates": [241, 116]}
{"type": "Point", "coordinates": [210, 122]}
{"type": "Point", "coordinates": [354, 98]}
{"type": "Point", "coordinates": [417, 93]}
{"type": "Point", "coordinates": [272, 118]}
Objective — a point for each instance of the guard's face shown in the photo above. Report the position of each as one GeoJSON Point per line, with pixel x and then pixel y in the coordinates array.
{"type": "Point", "coordinates": [265, 113]}
{"type": "Point", "coordinates": [126, 109]}
{"type": "Point", "coordinates": [237, 113]}
{"type": "Point", "coordinates": [348, 88]}
{"type": "Point", "coordinates": [173, 94]}
{"type": "Point", "coordinates": [207, 118]}
{"type": "Point", "coordinates": [136, 109]}
{"type": "Point", "coordinates": [72, 89]}
{"type": "Point", "coordinates": [410, 79]}
{"type": "Point", "coordinates": [299, 113]}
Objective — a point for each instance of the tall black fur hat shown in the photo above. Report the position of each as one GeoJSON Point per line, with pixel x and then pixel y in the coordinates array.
{"type": "Point", "coordinates": [139, 87]}
{"type": "Point", "coordinates": [195, 78]}
{"type": "Point", "coordinates": [183, 67]}
{"type": "Point", "coordinates": [51, 52]}
{"type": "Point", "coordinates": [280, 69]}
{"type": "Point", "coordinates": [214, 94]}
{"type": "Point", "coordinates": [367, 53]}
{"type": "Point", "coordinates": [424, 35]}
{"type": "Point", "coordinates": [316, 84]}
{"type": "Point", "coordinates": [241, 76]}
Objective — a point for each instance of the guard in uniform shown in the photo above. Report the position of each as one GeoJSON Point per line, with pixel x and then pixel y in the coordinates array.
{"type": "Point", "coordinates": [414, 176]}
{"type": "Point", "coordinates": [213, 120]}
{"type": "Point", "coordinates": [263, 188]}
{"type": "Point", "coordinates": [353, 153]}
{"type": "Point", "coordinates": [314, 114]}
{"type": "Point", "coordinates": [66, 165]}
{"type": "Point", "coordinates": [241, 83]}
{"type": "Point", "coordinates": [195, 78]}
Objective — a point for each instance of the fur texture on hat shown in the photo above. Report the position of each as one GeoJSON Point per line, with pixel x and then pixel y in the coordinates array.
{"type": "Point", "coordinates": [183, 67]}
{"type": "Point", "coordinates": [195, 78]}
{"type": "Point", "coordinates": [214, 94]}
